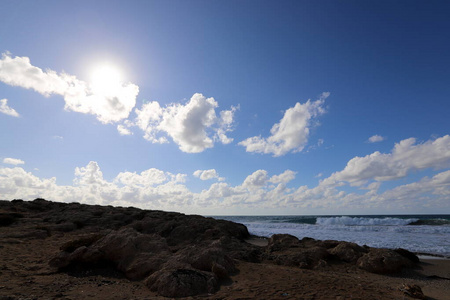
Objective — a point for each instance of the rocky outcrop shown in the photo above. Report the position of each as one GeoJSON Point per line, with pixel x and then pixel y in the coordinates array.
{"type": "Point", "coordinates": [174, 254]}
{"type": "Point", "coordinates": [284, 249]}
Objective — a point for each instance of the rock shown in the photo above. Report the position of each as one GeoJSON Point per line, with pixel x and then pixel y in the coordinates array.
{"type": "Point", "coordinates": [383, 261]}
{"type": "Point", "coordinates": [348, 252]}
{"type": "Point", "coordinates": [279, 242]}
{"type": "Point", "coordinates": [206, 259]}
{"type": "Point", "coordinates": [182, 283]}
{"type": "Point", "coordinates": [7, 219]}
{"type": "Point", "coordinates": [414, 291]}
{"type": "Point", "coordinates": [305, 258]}
{"type": "Point", "coordinates": [85, 240]}
{"type": "Point", "coordinates": [408, 254]}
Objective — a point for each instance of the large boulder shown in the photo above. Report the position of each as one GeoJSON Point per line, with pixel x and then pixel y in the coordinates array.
{"type": "Point", "coordinates": [278, 242]}
{"type": "Point", "coordinates": [383, 261]}
{"type": "Point", "coordinates": [287, 250]}
{"type": "Point", "coordinates": [348, 252]}
{"type": "Point", "coordinates": [136, 255]}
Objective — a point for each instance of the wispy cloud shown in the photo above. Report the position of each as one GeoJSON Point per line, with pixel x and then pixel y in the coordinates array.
{"type": "Point", "coordinates": [208, 174]}
{"type": "Point", "coordinates": [291, 133]}
{"type": "Point", "coordinates": [13, 161]}
{"type": "Point", "coordinates": [376, 138]}
{"type": "Point", "coordinates": [5, 109]}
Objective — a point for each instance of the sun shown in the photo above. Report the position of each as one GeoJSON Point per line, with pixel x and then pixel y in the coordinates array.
{"type": "Point", "coordinates": [105, 78]}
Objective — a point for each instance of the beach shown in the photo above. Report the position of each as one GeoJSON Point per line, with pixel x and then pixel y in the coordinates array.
{"type": "Point", "coordinates": [32, 240]}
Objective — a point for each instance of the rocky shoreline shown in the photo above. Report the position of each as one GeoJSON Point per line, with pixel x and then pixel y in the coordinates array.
{"type": "Point", "coordinates": [104, 251]}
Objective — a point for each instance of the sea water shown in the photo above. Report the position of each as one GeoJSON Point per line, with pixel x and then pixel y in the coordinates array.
{"type": "Point", "coordinates": [417, 233]}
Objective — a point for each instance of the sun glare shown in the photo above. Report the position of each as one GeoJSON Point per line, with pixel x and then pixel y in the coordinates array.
{"type": "Point", "coordinates": [105, 78]}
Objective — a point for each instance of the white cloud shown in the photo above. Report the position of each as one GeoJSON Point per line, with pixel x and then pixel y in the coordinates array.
{"type": "Point", "coordinates": [17, 183]}
{"type": "Point", "coordinates": [108, 106]}
{"type": "Point", "coordinates": [291, 133]}
{"type": "Point", "coordinates": [5, 109]}
{"type": "Point", "coordinates": [376, 138]}
{"type": "Point", "coordinates": [257, 179]}
{"type": "Point", "coordinates": [123, 130]}
{"type": "Point", "coordinates": [208, 174]}
{"type": "Point", "coordinates": [406, 156]}
{"type": "Point", "coordinates": [194, 126]}
{"type": "Point", "coordinates": [13, 161]}
{"type": "Point", "coordinates": [284, 177]}
{"type": "Point", "coordinates": [156, 189]}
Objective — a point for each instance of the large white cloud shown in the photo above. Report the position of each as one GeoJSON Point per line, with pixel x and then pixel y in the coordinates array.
{"type": "Point", "coordinates": [291, 133]}
{"type": "Point", "coordinates": [13, 161]}
{"type": "Point", "coordinates": [406, 156]}
{"type": "Point", "coordinates": [194, 126]}
{"type": "Point", "coordinates": [110, 105]}
{"type": "Point", "coordinates": [5, 109]}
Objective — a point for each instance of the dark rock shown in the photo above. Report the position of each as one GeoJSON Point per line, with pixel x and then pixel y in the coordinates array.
{"type": "Point", "coordinates": [408, 254]}
{"type": "Point", "coordinates": [206, 259]}
{"type": "Point", "coordinates": [305, 258]}
{"type": "Point", "coordinates": [279, 242]}
{"type": "Point", "coordinates": [383, 261]}
{"type": "Point", "coordinates": [413, 291]}
{"type": "Point", "coordinates": [85, 240]}
{"type": "Point", "coordinates": [8, 218]}
{"type": "Point", "coordinates": [348, 252]}
{"type": "Point", "coordinates": [182, 283]}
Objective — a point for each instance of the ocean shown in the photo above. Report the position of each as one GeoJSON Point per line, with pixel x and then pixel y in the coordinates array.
{"type": "Point", "coordinates": [424, 234]}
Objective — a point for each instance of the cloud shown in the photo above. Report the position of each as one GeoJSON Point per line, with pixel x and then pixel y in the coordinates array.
{"type": "Point", "coordinates": [406, 157]}
{"type": "Point", "coordinates": [208, 174]}
{"type": "Point", "coordinates": [17, 183]}
{"type": "Point", "coordinates": [123, 130]}
{"type": "Point", "coordinates": [111, 105]}
{"type": "Point", "coordinates": [291, 133]}
{"type": "Point", "coordinates": [13, 161]}
{"type": "Point", "coordinates": [156, 189]}
{"type": "Point", "coordinates": [258, 179]}
{"type": "Point", "coordinates": [194, 126]}
{"type": "Point", "coordinates": [5, 109]}
{"type": "Point", "coordinates": [284, 177]}
{"type": "Point", "coordinates": [376, 138]}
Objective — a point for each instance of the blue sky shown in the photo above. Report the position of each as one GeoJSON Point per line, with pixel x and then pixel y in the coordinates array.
{"type": "Point", "coordinates": [227, 107]}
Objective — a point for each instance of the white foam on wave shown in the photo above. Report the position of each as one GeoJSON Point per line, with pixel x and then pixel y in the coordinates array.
{"type": "Point", "coordinates": [359, 221]}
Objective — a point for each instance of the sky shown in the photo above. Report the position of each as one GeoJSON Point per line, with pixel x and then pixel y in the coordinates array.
{"type": "Point", "coordinates": [228, 107]}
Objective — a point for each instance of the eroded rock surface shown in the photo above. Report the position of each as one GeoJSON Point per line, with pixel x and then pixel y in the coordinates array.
{"type": "Point", "coordinates": [176, 255]}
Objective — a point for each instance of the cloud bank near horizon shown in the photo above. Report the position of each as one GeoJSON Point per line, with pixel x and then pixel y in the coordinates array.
{"type": "Point", "coordinates": [156, 189]}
